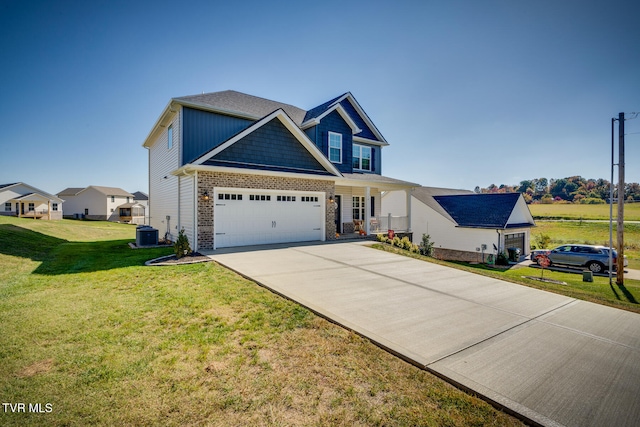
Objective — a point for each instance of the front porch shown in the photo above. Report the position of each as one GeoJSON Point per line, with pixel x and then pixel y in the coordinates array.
{"type": "Point", "coordinates": [358, 205]}
{"type": "Point", "coordinates": [36, 206]}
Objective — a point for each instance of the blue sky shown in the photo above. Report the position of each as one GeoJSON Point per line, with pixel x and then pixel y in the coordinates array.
{"type": "Point", "coordinates": [466, 92]}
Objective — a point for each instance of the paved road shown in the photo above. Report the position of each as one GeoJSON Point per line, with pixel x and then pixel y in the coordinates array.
{"type": "Point", "coordinates": [554, 360]}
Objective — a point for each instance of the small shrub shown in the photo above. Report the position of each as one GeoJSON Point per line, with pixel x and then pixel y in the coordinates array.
{"type": "Point", "coordinates": [592, 201]}
{"type": "Point", "coordinates": [181, 247]}
{"type": "Point", "coordinates": [542, 240]}
{"type": "Point", "coordinates": [396, 242]}
{"type": "Point", "coordinates": [415, 249]}
{"type": "Point", "coordinates": [380, 237]}
{"type": "Point", "coordinates": [502, 259]}
{"type": "Point", "coordinates": [426, 247]}
{"type": "Point", "coordinates": [406, 243]}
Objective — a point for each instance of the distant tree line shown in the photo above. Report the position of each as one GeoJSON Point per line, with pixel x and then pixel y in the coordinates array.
{"type": "Point", "coordinates": [574, 189]}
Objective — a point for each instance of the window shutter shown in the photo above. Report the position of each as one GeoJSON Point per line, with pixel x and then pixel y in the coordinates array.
{"type": "Point", "coordinates": [373, 206]}
{"type": "Point", "coordinates": [373, 160]}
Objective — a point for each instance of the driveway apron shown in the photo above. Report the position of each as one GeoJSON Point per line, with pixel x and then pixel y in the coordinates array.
{"type": "Point", "coordinates": [553, 360]}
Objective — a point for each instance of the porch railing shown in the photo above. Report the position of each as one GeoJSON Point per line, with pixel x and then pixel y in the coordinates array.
{"type": "Point", "coordinates": [391, 222]}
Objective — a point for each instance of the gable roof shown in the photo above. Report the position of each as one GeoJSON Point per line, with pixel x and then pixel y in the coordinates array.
{"type": "Point", "coordinates": [294, 130]}
{"type": "Point", "coordinates": [110, 191]}
{"type": "Point", "coordinates": [139, 195]}
{"type": "Point", "coordinates": [70, 191]}
{"type": "Point", "coordinates": [241, 104]}
{"type": "Point", "coordinates": [363, 127]}
{"type": "Point", "coordinates": [426, 196]}
{"type": "Point", "coordinates": [36, 191]}
{"type": "Point", "coordinates": [107, 191]}
{"type": "Point", "coordinates": [480, 210]}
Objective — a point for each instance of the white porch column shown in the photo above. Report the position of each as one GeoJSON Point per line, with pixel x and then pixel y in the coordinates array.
{"type": "Point", "coordinates": [408, 196]}
{"type": "Point", "coordinates": [367, 210]}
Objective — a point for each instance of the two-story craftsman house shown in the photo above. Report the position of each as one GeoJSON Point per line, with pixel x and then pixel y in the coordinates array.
{"type": "Point", "coordinates": [233, 169]}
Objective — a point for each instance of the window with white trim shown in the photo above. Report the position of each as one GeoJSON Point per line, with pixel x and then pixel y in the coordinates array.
{"type": "Point", "coordinates": [361, 157]}
{"type": "Point", "coordinates": [54, 206]}
{"type": "Point", "coordinates": [32, 207]}
{"type": "Point", "coordinates": [7, 206]}
{"type": "Point", "coordinates": [335, 147]}
{"type": "Point", "coordinates": [358, 207]}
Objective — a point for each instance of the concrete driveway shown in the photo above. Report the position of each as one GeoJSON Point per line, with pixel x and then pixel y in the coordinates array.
{"type": "Point", "coordinates": [551, 359]}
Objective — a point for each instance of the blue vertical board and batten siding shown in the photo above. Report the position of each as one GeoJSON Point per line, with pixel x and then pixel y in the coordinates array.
{"type": "Point", "coordinates": [203, 131]}
{"type": "Point", "coordinates": [333, 122]}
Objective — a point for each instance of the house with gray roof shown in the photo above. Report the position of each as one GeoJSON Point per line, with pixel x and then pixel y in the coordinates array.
{"type": "Point", "coordinates": [466, 226]}
{"type": "Point", "coordinates": [233, 169]}
{"type": "Point", "coordinates": [102, 203]}
{"type": "Point", "coordinates": [25, 201]}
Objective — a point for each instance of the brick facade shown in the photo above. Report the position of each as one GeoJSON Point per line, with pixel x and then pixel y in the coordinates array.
{"type": "Point", "coordinates": [210, 180]}
{"type": "Point", "coordinates": [455, 255]}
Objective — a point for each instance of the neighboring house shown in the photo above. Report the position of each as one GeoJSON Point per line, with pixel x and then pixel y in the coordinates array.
{"type": "Point", "coordinates": [233, 169]}
{"type": "Point", "coordinates": [102, 203]}
{"type": "Point", "coordinates": [24, 201]}
{"type": "Point", "coordinates": [463, 225]}
{"type": "Point", "coordinates": [143, 199]}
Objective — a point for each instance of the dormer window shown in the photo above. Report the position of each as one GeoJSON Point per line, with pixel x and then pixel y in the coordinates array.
{"type": "Point", "coordinates": [361, 157]}
{"type": "Point", "coordinates": [335, 147]}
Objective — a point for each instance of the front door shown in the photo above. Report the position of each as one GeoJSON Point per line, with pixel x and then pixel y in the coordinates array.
{"type": "Point", "coordinates": [338, 217]}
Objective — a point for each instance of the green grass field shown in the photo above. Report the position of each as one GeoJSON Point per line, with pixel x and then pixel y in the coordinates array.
{"type": "Point", "coordinates": [571, 211]}
{"type": "Point", "coordinates": [104, 340]}
{"type": "Point", "coordinates": [576, 226]}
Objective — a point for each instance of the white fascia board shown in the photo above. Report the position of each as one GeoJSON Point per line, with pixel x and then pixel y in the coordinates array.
{"type": "Point", "coordinates": [343, 113]}
{"type": "Point", "coordinates": [523, 209]}
{"type": "Point", "coordinates": [191, 168]}
{"type": "Point", "coordinates": [165, 117]}
{"type": "Point", "coordinates": [364, 116]}
{"type": "Point", "coordinates": [369, 141]}
{"type": "Point", "coordinates": [382, 185]}
{"type": "Point", "coordinates": [35, 190]}
{"type": "Point", "coordinates": [290, 125]}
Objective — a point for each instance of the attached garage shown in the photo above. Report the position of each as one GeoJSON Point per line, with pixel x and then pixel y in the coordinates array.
{"type": "Point", "coordinates": [245, 217]}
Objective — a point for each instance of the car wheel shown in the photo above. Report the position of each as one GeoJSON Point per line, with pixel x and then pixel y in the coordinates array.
{"type": "Point", "coordinates": [595, 267]}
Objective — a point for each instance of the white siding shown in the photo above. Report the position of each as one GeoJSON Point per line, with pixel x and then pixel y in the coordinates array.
{"type": "Point", "coordinates": [445, 234]}
{"type": "Point", "coordinates": [90, 199]}
{"type": "Point", "coordinates": [163, 192]}
{"type": "Point", "coordinates": [187, 206]}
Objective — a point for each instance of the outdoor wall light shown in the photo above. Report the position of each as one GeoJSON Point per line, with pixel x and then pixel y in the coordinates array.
{"type": "Point", "coordinates": [205, 195]}
{"type": "Point", "coordinates": [331, 200]}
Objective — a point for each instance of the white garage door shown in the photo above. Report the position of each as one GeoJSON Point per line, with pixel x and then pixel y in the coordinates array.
{"type": "Point", "coordinates": [256, 217]}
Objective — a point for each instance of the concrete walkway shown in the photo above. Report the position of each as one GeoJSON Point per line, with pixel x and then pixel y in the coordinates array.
{"type": "Point", "coordinates": [553, 360]}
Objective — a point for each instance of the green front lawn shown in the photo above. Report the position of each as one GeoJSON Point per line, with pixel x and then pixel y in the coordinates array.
{"type": "Point", "coordinates": [104, 340]}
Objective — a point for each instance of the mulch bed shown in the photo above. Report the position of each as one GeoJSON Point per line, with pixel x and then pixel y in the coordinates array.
{"type": "Point", "coordinates": [541, 279]}
{"type": "Point", "coordinates": [195, 257]}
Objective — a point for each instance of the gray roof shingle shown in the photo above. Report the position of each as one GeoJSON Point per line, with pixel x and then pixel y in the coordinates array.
{"type": "Point", "coordinates": [479, 210]}
{"type": "Point", "coordinates": [246, 105]}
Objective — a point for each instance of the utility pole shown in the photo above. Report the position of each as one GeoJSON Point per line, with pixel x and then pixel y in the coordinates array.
{"type": "Point", "coordinates": [620, 230]}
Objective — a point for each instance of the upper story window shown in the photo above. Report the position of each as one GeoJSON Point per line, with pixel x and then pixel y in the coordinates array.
{"type": "Point", "coordinates": [361, 157]}
{"type": "Point", "coordinates": [335, 147]}
{"type": "Point", "coordinates": [170, 137]}
{"type": "Point", "coordinates": [113, 199]}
